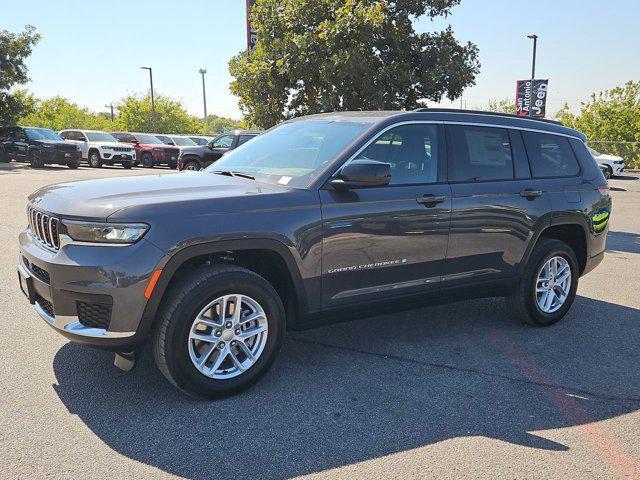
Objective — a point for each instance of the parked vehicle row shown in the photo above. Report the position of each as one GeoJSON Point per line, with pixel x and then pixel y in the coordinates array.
{"type": "Point", "coordinates": [39, 147]}
{"type": "Point", "coordinates": [321, 218]}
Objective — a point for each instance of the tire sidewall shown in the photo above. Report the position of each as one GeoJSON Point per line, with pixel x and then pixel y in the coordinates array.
{"type": "Point", "coordinates": [182, 370]}
{"type": "Point", "coordinates": [147, 160]}
{"type": "Point", "coordinates": [555, 249]}
{"type": "Point", "coordinates": [94, 160]}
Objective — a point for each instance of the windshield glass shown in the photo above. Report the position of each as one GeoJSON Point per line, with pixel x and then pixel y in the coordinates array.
{"type": "Point", "coordinates": [100, 137]}
{"type": "Point", "coordinates": [144, 138]}
{"type": "Point", "coordinates": [595, 153]}
{"type": "Point", "coordinates": [164, 139]}
{"type": "Point", "coordinates": [292, 153]}
{"type": "Point", "coordinates": [42, 134]}
{"type": "Point", "coordinates": [184, 142]}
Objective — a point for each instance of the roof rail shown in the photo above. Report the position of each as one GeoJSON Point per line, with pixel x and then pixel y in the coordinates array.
{"type": "Point", "coordinates": [483, 112]}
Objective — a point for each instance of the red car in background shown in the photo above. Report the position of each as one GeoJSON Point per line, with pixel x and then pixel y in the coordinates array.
{"type": "Point", "coordinates": [150, 151]}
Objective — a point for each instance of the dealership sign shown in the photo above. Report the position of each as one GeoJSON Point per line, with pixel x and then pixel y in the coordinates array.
{"type": "Point", "coordinates": [531, 98]}
{"type": "Point", "coordinates": [252, 33]}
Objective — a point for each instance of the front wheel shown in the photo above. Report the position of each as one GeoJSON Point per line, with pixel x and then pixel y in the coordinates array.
{"type": "Point", "coordinates": [35, 159]}
{"type": "Point", "coordinates": [94, 160]}
{"type": "Point", "coordinates": [548, 286]}
{"type": "Point", "coordinates": [608, 172]}
{"type": "Point", "coordinates": [219, 331]}
{"type": "Point", "coordinates": [192, 166]}
{"type": "Point", "coordinates": [73, 165]}
{"type": "Point", "coordinates": [147, 160]}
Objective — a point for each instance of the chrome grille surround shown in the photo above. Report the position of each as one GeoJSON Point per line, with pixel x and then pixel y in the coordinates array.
{"type": "Point", "coordinates": [44, 228]}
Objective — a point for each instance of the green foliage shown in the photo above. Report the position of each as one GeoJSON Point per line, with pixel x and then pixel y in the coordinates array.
{"type": "Point", "coordinates": [610, 116]}
{"type": "Point", "coordinates": [506, 105]}
{"type": "Point", "coordinates": [327, 55]}
{"type": "Point", "coordinates": [58, 113]}
{"type": "Point", "coordinates": [15, 48]}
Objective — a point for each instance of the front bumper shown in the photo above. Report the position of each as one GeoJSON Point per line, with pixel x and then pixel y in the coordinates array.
{"type": "Point", "coordinates": [118, 157]}
{"type": "Point", "coordinates": [618, 168]}
{"type": "Point", "coordinates": [55, 156]}
{"type": "Point", "coordinates": [74, 288]}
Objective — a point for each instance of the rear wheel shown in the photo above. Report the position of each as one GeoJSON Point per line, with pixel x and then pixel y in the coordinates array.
{"type": "Point", "coordinates": [35, 159]}
{"type": "Point", "coordinates": [219, 331]}
{"type": "Point", "coordinates": [94, 159]}
{"type": "Point", "coordinates": [548, 286]}
{"type": "Point", "coordinates": [147, 160]}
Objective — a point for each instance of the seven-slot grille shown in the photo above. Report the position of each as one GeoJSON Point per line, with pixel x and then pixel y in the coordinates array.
{"type": "Point", "coordinates": [44, 228]}
{"type": "Point", "coordinates": [122, 149]}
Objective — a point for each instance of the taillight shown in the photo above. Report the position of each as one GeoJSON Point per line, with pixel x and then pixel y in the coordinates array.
{"type": "Point", "coordinates": [603, 189]}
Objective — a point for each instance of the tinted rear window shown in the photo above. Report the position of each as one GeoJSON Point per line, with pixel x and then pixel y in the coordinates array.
{"type": "Point", "coordinates": [550, 155]}
{"type": "Point", "coordinates": [480, 154]}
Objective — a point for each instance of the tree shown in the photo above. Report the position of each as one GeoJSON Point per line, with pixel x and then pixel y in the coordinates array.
{"type": "Point", "coordinates": [215, 125]}
{"type": "Point", "coordinates": [326, 55]}
{"type": "Point", "coordinates": [14, 50]}
{"type": "Point", "coordinates": [58, 113]}
{"type": "Point", "coordinates": [505, 105]}
{"type": "Point", "coordinates": [171, 117]}
{"type": "Point", "coordinates": [610, 116]}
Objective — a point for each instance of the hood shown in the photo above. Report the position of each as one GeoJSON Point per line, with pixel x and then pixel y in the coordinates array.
{"type": "Point", "coordinates": [59, 144]}
{"type": "Point", "coordinates": [610, 158]}
{"type": "Point", "coordinates": [98, 199]}
{"type": "Point", "coordinates": [195, 150]}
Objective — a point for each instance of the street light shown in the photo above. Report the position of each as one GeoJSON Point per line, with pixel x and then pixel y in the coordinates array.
{"type": "Point", "coordinates": [202, 71]}
{"type": "Point", "coordinates": [153, 103]}
{"type": "Point", "coordinates": [111, 107]}
{"type": "Point", "coordinates": [535, 47]}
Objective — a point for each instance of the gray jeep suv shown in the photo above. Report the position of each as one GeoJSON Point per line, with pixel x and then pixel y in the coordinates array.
{"type": "Point", "coordinates": [320, 218]}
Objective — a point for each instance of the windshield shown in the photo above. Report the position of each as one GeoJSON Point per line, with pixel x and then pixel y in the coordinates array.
{"type": "Point", "coordinates": [144, 138]}
{"type": "Point", "coordinates": [291, 153]}
{"type": "Point", "coordinates": [595, 153]}
{"type": "Point", "coordinates": [184, 142]}
{"type": "Point", "coordinates": [100, 137]}
{"type": "Point", "coordinates": [42, 134]}
{"type": "Point", "coordinates": [164, 139]}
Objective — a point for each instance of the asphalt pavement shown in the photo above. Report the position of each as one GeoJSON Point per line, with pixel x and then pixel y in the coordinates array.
{"type": "Point", "coordinates": [450, 391]}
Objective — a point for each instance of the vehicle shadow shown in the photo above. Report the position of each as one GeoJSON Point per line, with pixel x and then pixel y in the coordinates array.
{"type": "Point", "coordinates": [623, 242]}
{"type": "Point", "coordinates": [355, 391]}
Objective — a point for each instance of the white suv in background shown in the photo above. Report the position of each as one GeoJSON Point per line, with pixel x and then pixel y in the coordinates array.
{"type": "Point", "coordinates": [611, 165]}
{"type": "Point", "coordinates": [101, 148]}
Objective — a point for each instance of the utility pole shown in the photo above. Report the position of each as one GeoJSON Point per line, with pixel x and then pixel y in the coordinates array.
{"type": "Point", "coordinates": [533, 69]}
{"type": "Point", "coordinates": [111, 107]}
{"type": "Point", "coordinates": [202, 72]}
{"type": "Point", "coordinates": [153, 103]}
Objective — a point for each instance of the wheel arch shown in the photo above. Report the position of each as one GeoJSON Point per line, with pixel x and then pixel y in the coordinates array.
{"type": "Point", "coordinates": [235, 252]}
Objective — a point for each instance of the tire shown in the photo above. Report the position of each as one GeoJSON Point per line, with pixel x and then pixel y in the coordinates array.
{"type": "Point", "coordinates": [127, 166]}
{"type": "Point", "coordinates": [147, 160]}
{"type": "Point", "coordinates": [524, 301]}
{"type": "Point", "coordinates": [173, 349]}
{"type": "Point", "coordinates": [94, 159]}
{"type": "Point", "coordinates": [191, 165]}
{"type": "Point", "coordinates": [73, 165]}
{"type": "Point", "coordinates": [173, 166]}
{"type": "Point", "coordinates": [35, 159]}
{"type": "Point", "coordinates": [608, 172]}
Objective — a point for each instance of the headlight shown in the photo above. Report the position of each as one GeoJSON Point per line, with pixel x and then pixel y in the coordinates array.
{"type": "Point", "coordinates": [105, 232]}
{"type": "Point", "coordinates": [105, 148]}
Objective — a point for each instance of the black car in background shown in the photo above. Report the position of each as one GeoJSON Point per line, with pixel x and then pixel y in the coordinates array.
{"type": "Point", "coordinates": [39, 147]}
{"type": "Point", "coordinates": [197, 158]}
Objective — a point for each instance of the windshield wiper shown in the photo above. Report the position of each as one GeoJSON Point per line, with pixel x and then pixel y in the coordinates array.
{"type": "Point", "coordinates": [229, 173]}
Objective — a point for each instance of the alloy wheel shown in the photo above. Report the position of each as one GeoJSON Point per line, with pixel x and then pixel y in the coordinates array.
{"type": "Point", "coordinates": [553, 284]}
{"type": "Point", "coordinates": [228, 336]}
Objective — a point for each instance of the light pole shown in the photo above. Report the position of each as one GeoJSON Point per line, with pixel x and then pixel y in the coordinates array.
{"type": "Point", "coordinates": [535, 47]}
{"type": "Point", "coordinates": [111, 107]}
{"type": "Point", "coordinates": [153, 103]}
{"type": "Point", "coordinates": [202, 72]}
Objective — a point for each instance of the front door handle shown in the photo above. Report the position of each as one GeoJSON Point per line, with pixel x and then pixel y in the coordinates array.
{"type": "Point", "coordinates": [528, 193]}
{"type": "Point", "coordinates": [430, 200]}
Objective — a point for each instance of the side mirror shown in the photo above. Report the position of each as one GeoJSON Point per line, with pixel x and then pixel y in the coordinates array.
{"type": "Point", "coordinates": [362, 174]}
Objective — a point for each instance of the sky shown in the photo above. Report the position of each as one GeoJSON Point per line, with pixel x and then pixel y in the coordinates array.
{"type": "Point", "coordinates": [91, 51]}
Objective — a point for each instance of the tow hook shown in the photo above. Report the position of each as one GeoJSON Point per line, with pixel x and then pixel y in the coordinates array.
{"type": "Point", "coordinates": [125, 361]}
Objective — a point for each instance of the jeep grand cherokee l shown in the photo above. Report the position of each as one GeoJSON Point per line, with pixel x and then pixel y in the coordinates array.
{"type": "Point", "coordinates": [321, 217]}
{"type": "Point", "coordinates": [150, 151]}
{"type": "Point", "coordinates": [39, 147]}
{"type": "Point", "coordinates": [100, 148]}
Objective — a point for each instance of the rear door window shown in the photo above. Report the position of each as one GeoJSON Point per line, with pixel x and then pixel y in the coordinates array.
{"type": "Point", "coordinates": [550, 155]}
{"type": "Point", "coordinates": [244, 139]}
{"type": "Point", "coordinates": [480, 154]}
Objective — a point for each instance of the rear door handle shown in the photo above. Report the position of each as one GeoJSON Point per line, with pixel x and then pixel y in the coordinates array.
{"type": "Point", "coordinates": [430, 200]}
{"type": "Point", "coordinates": [528, 193]}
